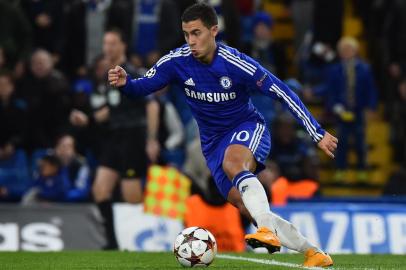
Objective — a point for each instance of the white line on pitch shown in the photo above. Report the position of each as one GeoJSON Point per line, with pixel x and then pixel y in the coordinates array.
{"type": "Point", "coordinates": [273, 262]}
{"type": "Point", "coordinates": [263, 261]}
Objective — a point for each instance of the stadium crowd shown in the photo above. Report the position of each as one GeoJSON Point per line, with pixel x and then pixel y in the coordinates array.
{"type": "Point", "coordinates": [62, 125]}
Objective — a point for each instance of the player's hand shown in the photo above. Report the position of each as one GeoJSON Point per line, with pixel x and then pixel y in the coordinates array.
{"type": "Point", "coordinates": [117, 76]}
{"type": "Point", "coordinates": [328, 144]}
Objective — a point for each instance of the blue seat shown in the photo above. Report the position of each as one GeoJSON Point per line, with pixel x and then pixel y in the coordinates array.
{"type": "Point", "coordinates": [14, 175]}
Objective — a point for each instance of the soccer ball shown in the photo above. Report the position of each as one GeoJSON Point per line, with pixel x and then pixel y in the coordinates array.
{"type": "Point", "coordinates": [195, 247]}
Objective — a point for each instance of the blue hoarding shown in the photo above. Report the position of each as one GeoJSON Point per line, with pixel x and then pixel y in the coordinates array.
{"type": "Point", "coordinates": [350, 227]}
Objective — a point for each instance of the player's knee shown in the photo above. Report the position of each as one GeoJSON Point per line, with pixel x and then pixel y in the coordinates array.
{"type": "Point", "coordinates": [232, 165]}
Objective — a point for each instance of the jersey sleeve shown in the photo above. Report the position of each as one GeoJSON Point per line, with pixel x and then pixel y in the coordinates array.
{"type": "Point", "coordinates": [270, 85]}
{"type": "Point", "coordinates": [156, 78]}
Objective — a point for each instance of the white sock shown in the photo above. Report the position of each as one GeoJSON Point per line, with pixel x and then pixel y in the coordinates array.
{"type": "Point", "coordinates": [254, 198]}
{"type": "Point", "coordinates": [256, 202]}
{"type": "Point", "coordinates": [289, 236]}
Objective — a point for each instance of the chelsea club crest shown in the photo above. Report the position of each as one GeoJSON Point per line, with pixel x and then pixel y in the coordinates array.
{"type": "Point", "coordinates": [225, 82]}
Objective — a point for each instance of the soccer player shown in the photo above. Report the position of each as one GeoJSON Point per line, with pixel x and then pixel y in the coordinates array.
{"type": "Point", "coordinates": [234, 138]}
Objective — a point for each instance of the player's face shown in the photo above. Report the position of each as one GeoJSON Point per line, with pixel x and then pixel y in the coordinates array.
{"type": "Point", "coordinates": [200, 39]}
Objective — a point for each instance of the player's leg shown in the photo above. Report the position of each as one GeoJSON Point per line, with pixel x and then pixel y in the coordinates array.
{"type": "Point", "coordinates": [234, 197]}
{"type": "Point", "coordinates": [287, 233]}
{"type": "Point", "coordinates": [241, 158]}
{"type": "Point", "coordinates": [105, 181]}
{"type": "Point", "coordinates": [238, 164]}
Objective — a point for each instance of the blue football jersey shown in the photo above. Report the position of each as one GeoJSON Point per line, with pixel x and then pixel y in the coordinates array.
{"type": "Point", "coordinates": [218, 93]}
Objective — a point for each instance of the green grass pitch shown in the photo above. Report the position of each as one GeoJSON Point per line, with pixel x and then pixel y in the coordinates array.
{"type": "Point", "coordinates": [166, 261]}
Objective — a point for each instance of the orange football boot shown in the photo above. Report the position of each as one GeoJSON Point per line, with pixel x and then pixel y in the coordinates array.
{"type": "Point", "coordinates": [264, 238]}
{"type": "Point", "coordinates": [317, 258]}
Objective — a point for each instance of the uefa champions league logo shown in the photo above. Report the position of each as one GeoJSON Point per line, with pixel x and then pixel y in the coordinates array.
{"type": "Point", "coordinates": [225, 82]}
{"type": "Point", "coordinates": [150, 73]}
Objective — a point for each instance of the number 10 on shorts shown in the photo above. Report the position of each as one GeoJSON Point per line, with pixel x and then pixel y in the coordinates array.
{"type": "Point", "coordinates": [241, 136]}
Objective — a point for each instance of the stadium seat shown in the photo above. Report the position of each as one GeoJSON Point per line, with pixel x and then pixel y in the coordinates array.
{"type": "Point", "coordinates": [14, 175]}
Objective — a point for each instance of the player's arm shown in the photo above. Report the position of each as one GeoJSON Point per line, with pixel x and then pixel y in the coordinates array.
{"type": "Point", "coordinates": [154, 79]}
{"type": "Point", "coordinates": [270, 85]}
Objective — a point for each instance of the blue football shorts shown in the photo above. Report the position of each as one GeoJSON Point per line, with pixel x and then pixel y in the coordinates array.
{"type": "Point", "coordinates": [254, 136]}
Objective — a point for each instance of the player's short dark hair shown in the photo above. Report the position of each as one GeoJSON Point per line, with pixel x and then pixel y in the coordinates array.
{"type": "Point", "coordinates": [201, 11]}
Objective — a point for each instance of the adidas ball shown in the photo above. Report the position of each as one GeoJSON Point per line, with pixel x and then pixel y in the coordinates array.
{"type": "Point", "coordinates": [195, 247]}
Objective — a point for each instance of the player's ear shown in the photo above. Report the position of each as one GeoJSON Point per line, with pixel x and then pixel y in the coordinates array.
{"type": "Point", "coordinates": [214, 30]}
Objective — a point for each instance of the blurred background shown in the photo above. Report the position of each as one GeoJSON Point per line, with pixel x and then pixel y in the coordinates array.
{"type": "Point", "coordinates": [83, 167]}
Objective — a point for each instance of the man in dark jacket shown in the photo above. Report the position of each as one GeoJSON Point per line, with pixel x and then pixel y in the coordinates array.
{"type": "Point", "coordinates": [351, 93]}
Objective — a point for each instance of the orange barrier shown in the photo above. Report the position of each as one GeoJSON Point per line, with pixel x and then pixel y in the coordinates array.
{"type": "Point", "coordinates": [223, 222]}
{"type": "Point", "coordinates": [282, 190]}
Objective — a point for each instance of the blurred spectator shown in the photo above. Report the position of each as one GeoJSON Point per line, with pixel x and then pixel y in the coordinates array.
{"type": "Point", "coordinates": [50, 182]}
{"type": "Point", "coordinates": [150, 26]}
{"type": "Point", "coordinates": [14, 176]}
{"type": "Point", "coordinates": [229, 22]}
{"type": "Point", "coordinates": [262, 48]}
{"type": "Point", "coordinates": [47, 19]}
{"type": "Point", "coordinates": [317, 51]}
{"type": "Point", "coordinates": [15, 35]}
{"type": "Point", "coordinates": [89, 96]}
{"type": "Point", "coordinates": [246, 9]}
{"type": "Point", "coordinates": [385, 30]}
{"type": "Point", "coordinates": [269, 54]}
{"type": "Point", "coordinates": [395, 34]}
{"type": "Point", "coordinates": [328, 21]}
{"type": "Point", "coordinates": [396, 184]}
{"type": "Point", "coordinates": [77, 169]}
{"type": "Point", "coordinates": [195, 167]}
{"type": "Point", "coordinates": [13, 116]}
{"type": "Point", "coordinates": [13, 122]}
{"type": "Point", "coordinates": [398, 123]}
{"type": "Point", "coordinates": [302, 16]}
{"type": "Point", "coordinates": [292, 169]}
{"type": "Point", "coordinates": [86, 22]}
{"type": "Point", "coordinates": [351, 92]}
{"type": "Point", "coordinates": [377, 18]}
{"type": "Point", "coordinates": [394, 51]}
{"type": "Point", "coordinates": [47, 93]}
{"type": "Point", "coordinates": [171, 132]}
{"type": "Point", "coordinates": [132, 138]}
{"type": "Point", "coordinates": [2, 59]}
